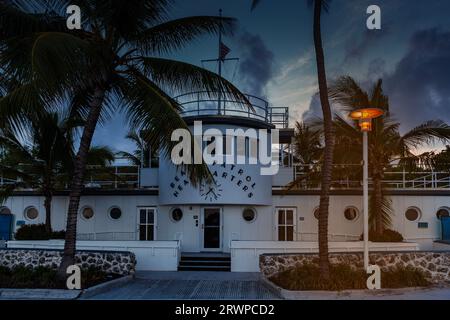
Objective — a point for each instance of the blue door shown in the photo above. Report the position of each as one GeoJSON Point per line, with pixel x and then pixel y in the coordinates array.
{"type": "Point", "coordinates": [445, 228]}
{"type": "Point", "coordinates": [5, 226]}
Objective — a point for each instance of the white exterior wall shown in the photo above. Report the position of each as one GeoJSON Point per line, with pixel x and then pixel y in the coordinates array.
{"type": "Point", "coordinates": [234, 227]}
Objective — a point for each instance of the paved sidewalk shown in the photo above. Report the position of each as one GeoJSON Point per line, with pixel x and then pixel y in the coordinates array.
{"type": "Point", "coordinates": [38, 294]}
{"type": "Point", "coordinates": [192, 286]}
{"type": "Point", "coordinates": [401, 294]}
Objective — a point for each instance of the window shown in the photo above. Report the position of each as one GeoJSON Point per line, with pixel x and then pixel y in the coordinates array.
{"type": "Point", "coordinates": [249, 214]}
{"type": "Point", "coordinates": [87, 213]}
{"type": "Point", "coordinates": [176, 214]}
{"type": "Point", "coordinates": [31, 213]}
{"type": "Point", "coordinates": [351, 213]}
{"type": "Point", "coordinates": [115, 213]}
{"type": "Point", "coordinates": [228, 146]}
{"type": "Point", "coordinates": [286, 224]}
{"type": "Point", "coordinates": [147, 224]}
{"type": "Point", "coordinates": [412, 214]}
{"type": "Point", "coordinates": [443, 212]}
{"type": "Point", "coordinates": [316, 213]}
{"type": "Point", "coordinates": [5, 210]}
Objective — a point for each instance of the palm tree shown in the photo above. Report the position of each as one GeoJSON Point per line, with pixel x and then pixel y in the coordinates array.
{"type": "Point", "coordinates": [308, 153]}
{"type": "Point", "coordinates": [116, 65]}
{"type": "Point", "coordinates": [41, 155]}
{"type": "Point", "coordinates": [327, 164]}
{"type": "Point", "coordinates": [141, 156]}
{"type": "Point", "coordinates": [386, 145]}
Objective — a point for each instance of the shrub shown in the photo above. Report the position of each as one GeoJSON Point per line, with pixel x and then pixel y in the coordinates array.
{"type": "Point", "coordinates": [344, 277]}
{"type": "Point", "coordinates": [44, 277]}
{"type": "Point", "coordinates": [387, 236]}
{"type": "Point", "coordinates": [37, 232]}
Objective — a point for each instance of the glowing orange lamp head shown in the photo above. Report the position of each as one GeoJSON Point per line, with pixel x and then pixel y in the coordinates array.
{"type": "Point", "coordinates": [365, 116]}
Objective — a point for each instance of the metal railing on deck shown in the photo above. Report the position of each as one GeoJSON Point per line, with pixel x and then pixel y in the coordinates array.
{"type": "Point", "coordinates": [350, 177]}
{"type": "Point", "coordinates": [202, 103]}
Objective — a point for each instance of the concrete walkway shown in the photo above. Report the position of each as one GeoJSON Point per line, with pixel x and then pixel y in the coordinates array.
{"type": "Point", "coordinates": [192, 286]}
{"type": "Point", "coordinates": [400, 294]}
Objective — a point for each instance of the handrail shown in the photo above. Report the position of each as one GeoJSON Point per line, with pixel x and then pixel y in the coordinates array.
{"type": "Point", "coordinates": [203, 103]}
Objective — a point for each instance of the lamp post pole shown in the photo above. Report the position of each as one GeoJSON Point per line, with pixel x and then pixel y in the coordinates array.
{"type": "Point", "coordinates": [365, 117]}
{"type": "Point", "coordinates": [366, 198]}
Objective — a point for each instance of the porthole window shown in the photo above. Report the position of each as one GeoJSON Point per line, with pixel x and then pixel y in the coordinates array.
{"type": "Point", "coordinates": [31, 213]}
{"type": "Point", "coordinates": [412, 214]}
{"type": "Point", "coordinates": [5, 210]}
{"type": "Point", "coordinates": [316, 213]}
{"type": "Point", "coordinates": [351, 213]}
{"type": "Point", "coordinates": [249, 214]}
{"type": "Point", "coordinates": [176, 214]}
{"type": "Point", "coordinates": [87, 213]}
{"type": "Point", "coordinates": [443, 212]}
{"type": "Point", "coordinates": [115, 213]}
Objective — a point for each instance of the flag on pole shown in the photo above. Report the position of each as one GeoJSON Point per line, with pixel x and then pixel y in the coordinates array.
{"type": "Point", "coordinates": [224, 51]}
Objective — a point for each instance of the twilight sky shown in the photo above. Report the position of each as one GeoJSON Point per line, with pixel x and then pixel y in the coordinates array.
{"type": "Point", "coordinates": [275, 46]}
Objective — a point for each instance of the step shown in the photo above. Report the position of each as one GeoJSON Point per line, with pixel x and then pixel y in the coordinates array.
{"type": "Point", "coordinates": [225, 263]}
{"type": "Point", "coordinates": [205, 258]}
{"type": "Point", "coordinates": [204, 268]}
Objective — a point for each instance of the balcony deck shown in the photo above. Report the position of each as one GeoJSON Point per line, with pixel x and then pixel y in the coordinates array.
{"type": "Point", "coordinates": [201, 104]}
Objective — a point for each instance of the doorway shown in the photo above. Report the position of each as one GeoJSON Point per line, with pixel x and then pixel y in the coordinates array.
{"type": "Point", "coordinates": [212, 229]}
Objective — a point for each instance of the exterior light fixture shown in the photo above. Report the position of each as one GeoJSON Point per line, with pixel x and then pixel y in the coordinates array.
{"type": "Point", "coordinates": [365, 116]}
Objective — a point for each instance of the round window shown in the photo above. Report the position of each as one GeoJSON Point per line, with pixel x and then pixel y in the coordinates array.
{"type": "Point", "coordinates": [249, 214]}
{"type": "Point", "coordinates": [412, 214]}
{"type": "Point", "coordinates": [443, 212]}
{"type": "Point", "coordinates": [87, 213]}
{"type": "Point", "coordinates": [316, 213]}
{"type": "Point", "coordinates": [351, 213]}
{"type": "Point", "coordinates": [5, 210]}
{"type": "Point", "coordinates": [177, 214]}
{"type": "Point", "coordinates": [115, 213]}
{"type": "Point", "coordinates": [31, 213]}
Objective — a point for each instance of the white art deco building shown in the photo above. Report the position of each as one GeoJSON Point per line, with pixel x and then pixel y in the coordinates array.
{"type": "Point", "coordinates": [155, 212]}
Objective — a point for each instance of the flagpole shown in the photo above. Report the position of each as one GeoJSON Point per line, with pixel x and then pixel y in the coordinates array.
{"type": "Point", "coordinates": [220, 60]}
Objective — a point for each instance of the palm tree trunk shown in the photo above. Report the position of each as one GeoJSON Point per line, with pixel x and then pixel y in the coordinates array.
{"type": "Point", "coordinates": [327, 166]}
{"type": "Point", "coordinates": [48, 212]}
{"type": "Point", "coordinates": [378, 194]}
{"type": "Point", "coordinates": [77, 180]}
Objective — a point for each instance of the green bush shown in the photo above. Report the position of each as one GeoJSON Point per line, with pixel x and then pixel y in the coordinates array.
{"type": "Point", "coordinates": [46, 278]}
{"type": "Point", "coordinates": [387, 236]}
{"type": "Point", "coordinates": [342, 277]}
{"type": "Point", "coordinates": [37, 232]}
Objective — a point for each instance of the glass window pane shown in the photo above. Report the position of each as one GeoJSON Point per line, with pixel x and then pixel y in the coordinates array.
{"type": "Point", "coordinates": [150, 233]}
{"type": "Point", "coordinates": [290, 233]}
{"type": "Point", "coordinates": [142, 233]}
{"type": "Point", "coordinates": [151, 216]}
{"type": "Point", "coordinates": [290, 217]}
{"type": "Point", "coordinates": [281, 217]}
{"type": "Point", "coordinates": [142, 216]}
{"type": "Point", "coordinates": [281, 234]}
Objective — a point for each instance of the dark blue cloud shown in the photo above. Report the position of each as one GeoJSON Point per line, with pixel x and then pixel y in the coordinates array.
{"type": "Point", "coordinates": [256, 64]}
{"type": "Point", "coordinates": [419, 87]}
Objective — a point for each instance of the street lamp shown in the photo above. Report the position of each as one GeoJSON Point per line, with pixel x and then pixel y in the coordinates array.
{"type": "Point", "coordinates": [365, 116]}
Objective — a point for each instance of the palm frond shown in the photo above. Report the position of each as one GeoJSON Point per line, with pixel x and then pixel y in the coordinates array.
{"type": "Point", "coordinates": [184, 77]}
{"type": "Point", "coordinates": [176, 34]}
{"type": "Point", "coordinates": [151, 109]}
{"type": "Point", "coordinates": [428, 132]}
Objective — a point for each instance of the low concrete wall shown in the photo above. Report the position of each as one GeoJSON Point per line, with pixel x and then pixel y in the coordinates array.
{"type": "Point", "coordinates": [122, 263]}
{"type": "Point", "coordinates": [435, 265]}
{"type": "Point", "coordinates": [245, 254]}
{"type": "Point", "coordinates": [150, 255]}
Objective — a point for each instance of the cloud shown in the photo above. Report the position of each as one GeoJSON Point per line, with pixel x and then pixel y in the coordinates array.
{"type": "Point", "coordinates": [256, 64]}
{"type": "Point", "coordinates": [357, 49]}
{"type": "Point", "coordinates": [419, 87]}
{"type": "Point", "coordinates": [315, 109]}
